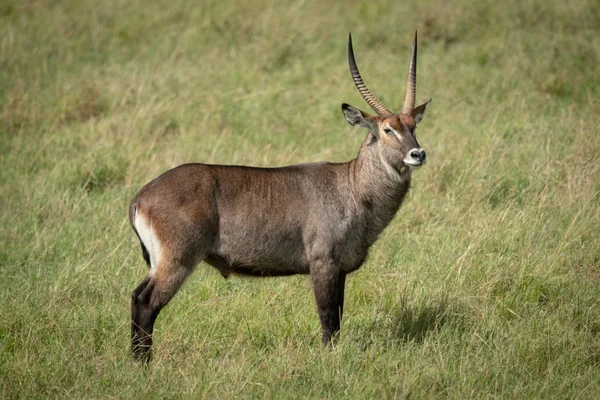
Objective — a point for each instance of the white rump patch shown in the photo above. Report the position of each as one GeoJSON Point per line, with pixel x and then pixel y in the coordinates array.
{"type": "Point", "coordinates": [148, 238]}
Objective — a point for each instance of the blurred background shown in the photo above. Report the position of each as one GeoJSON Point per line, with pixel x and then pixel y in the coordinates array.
{"type": "Point", "coordinates": [485, 285]}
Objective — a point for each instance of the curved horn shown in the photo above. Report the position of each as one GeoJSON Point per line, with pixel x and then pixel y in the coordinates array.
{"type": "Point", "coordinates": [375, 104]}
{"type": "Point", "coordinates": [411, 82]}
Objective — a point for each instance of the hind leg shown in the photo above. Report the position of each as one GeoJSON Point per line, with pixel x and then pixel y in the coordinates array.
{"type": "Point", "coordinates": [152, 294]}
{"type": "Point", "coordinates": [137, 332]}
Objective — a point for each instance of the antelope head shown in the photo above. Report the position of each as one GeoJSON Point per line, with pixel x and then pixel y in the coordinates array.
{"type": "Point", "coordinates": [393, 133]}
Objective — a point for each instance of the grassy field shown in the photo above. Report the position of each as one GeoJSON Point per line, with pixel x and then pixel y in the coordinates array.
{"type": "Point", "coordinates": [486, 285]}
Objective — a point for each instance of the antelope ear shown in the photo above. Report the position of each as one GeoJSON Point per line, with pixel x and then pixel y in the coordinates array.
{"type": "Point", "coordinates": [358, 118]}
{"type": "Point", "coordinates": [419, 111]}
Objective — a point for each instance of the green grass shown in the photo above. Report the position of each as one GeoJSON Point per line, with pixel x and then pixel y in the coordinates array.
{"type": "Point", "coordinates": [486, 284]}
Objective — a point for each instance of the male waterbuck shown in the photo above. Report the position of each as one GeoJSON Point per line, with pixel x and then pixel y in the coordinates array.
{"type": "Point", "coordinates": [316, 219]}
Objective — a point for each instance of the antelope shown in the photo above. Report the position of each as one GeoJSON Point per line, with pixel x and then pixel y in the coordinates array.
{"type": "Point", "coordinates": [318, 219]}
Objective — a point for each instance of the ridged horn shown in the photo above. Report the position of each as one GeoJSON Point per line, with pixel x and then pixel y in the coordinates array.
{"type": "Point", "coordinates": [411, 81]}
{"type": "Point", "coordinates": [375, 104]}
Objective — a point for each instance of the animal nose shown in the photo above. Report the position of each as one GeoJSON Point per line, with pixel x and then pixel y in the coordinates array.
{"type": "Point", "coordinates": [418, 155]}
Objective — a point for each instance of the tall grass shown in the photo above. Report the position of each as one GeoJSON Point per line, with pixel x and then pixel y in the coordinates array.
{"type": "Point", "coordinates": [486, 284]}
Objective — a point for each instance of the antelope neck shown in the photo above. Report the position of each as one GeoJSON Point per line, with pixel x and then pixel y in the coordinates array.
{"type": "Point", "coordinates": [374, 181]}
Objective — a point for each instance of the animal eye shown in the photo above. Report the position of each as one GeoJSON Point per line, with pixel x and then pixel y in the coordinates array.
{"type": "Point", "coordinates": [388, 131]}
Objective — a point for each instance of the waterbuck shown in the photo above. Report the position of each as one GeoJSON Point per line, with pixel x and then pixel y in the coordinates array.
{"type": "Point", "coordinates": [316, 219]}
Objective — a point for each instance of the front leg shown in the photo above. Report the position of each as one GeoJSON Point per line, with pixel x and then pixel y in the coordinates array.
{"type": "Point", "coordinates": [328, 286]}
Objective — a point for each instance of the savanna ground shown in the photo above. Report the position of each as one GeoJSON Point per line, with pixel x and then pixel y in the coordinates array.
{"type": "Point", "coordinates": [486, 285]}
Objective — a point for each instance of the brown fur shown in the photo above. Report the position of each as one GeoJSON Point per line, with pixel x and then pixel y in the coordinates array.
{"type": "Point", "coordinates": [317, 219]}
